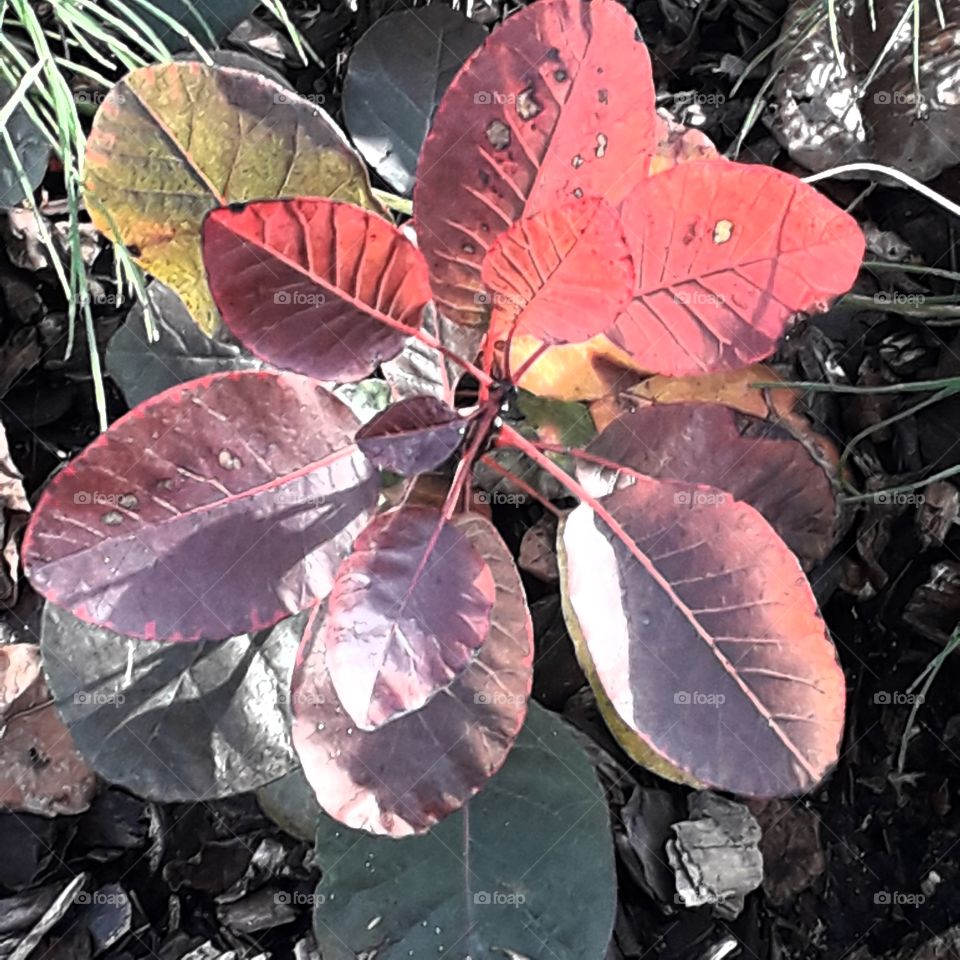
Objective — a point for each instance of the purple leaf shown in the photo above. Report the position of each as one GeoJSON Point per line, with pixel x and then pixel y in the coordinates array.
{"type": "Point", "coordinates": [412, 436]}
{"type": "Point", "coordinates": [215, 508]}
{"type": "Point", "coordinates": [407, 775]}
{"type": "Point", "coordinates": [409, 608]}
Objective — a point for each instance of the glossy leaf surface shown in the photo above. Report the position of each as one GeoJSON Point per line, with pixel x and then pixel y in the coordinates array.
{"type": "Point", "coordinates": [491, 881]}
{"type": "Point", "coordinates": [412, 772]}
{"type": "Point", "coordinates": [216, 507]}
{"type": "Point", "coordinates": [559, 99]}
{"type": "Point", "coordinates": [562, 275]}
{"type": "Point", "coordinates": [412, 436]}
{"type": "Point", "coordinates": [751, 459]}
{"type": "Point", "coordinates": [705, 636]}
{"type": "Point", "coordinates": [171, 142]}
{"type": "Point", "coordinates": [725, 255]}
{"type": "Point", "coordinates": [174, 722]}
{"type": "Point", "coordinates": [409, 608]}
{"type": "Point", "coordinates": [396, 75]}
{"type": "Point", "coordinates": [313, 285]}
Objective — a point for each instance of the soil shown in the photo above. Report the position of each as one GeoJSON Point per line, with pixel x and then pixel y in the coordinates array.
{"type": "Point", "coordinates": [868, 863]}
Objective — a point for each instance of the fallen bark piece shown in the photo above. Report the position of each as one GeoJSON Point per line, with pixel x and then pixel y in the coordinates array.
{"type": "Point", "coordinates": [40, 769]}
{"type": "Point", "coordinates": [716, 856]}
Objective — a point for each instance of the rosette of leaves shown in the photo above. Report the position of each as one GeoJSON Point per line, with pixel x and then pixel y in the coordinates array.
{"type": "Point", "coordinates": [224, 504]}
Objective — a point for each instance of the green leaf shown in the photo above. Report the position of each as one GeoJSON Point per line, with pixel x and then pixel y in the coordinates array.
{"type": "Point", "coordinates": [526, 869]}
{"type": "Point", "coordinates": [31, 148]}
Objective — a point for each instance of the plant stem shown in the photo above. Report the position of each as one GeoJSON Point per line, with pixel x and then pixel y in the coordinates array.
{"type": "Point", "coordinates": [522, 484]}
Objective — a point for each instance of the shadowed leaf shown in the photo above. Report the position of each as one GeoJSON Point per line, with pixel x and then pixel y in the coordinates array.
{"type": "Point", "coordinates": [396, 76]}
{"type": "Point", "coordinates": [725, 255]}
{"type": "Point", "coordinates": [528, 863]}
{"type": "Point", "coordinates": [173, 141]}
{"type": "Point", "coordinates": [754, 704]}
{"type": "Point", "coordinates": [313, 285]}
{"type": "Point", "coordinates": [412, 772]}
{"type": "Point", "coordinates": [32, 150]}
{"type": "Point", "coordinates": [174, 722]}
{"type": "Point", "coordinates": [409, 608]}
{"type": "Point", "coordinates": [752, 459]}
{"type": "Point", "coordinates": [412, 436]}
{"type": "Point", "coordinates": [559, 99]}
{"type": "Point", "coordinates": [183, 351]}
{"type": "Point", "coordinates": [156, 533]}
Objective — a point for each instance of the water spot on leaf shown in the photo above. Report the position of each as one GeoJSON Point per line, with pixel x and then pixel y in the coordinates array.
{"type": "Point", "coordinates": [228, 460]}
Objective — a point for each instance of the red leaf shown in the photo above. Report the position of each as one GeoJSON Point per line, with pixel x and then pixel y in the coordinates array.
{"type": "Point", "coordinates": [215, 508]}
{"type": "Point", "coordinates": [725, 254]}
{"type": "Point", "coordinates": [412, 772]}
{"type": "Point", "coordinates": [412, 436]}
{"type": "Point", "coordinates": [753, 460]}
{"type": "Point", "coordinates": [562, 275]}
{"type": "Point", "coordinates": [315, 286]}
{"type": "Point", "coordinates": [409, 608]}
{"type": "Point", "coordinates": [705, 636]}
{"type": "Point", "coordinates": [559, 99]}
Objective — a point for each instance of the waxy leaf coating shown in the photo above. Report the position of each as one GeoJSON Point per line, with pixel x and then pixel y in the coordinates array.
{"type": "Point", "coordinates": [217, 507]}
{"type": "Point", "coordinates": [315, 286]}
{"type": "Point", "coordinates": [405, 776]}
{"type": "Point", "coordinates": [558, 102]}
{"type": "Point", "coordinates": [412, 436]}
{"type": "Point", "coordinates": [171, 142]}
{"type": "Point", "coordinates": [562, 275]}
{"type": "Point", "coordinates": [753, 460]}
{"type": "Point", "coordinates": [525, 872]}
{"type": "Point", "coordinates": [409, 608]}
{"type": "Point", "coordinates": [705, 635]}
{"type": "Point", "coordinates": [726, 254]}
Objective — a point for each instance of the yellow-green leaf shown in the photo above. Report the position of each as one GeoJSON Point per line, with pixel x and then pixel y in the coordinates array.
{"type": "Point", "coordinates": [173, 141]}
